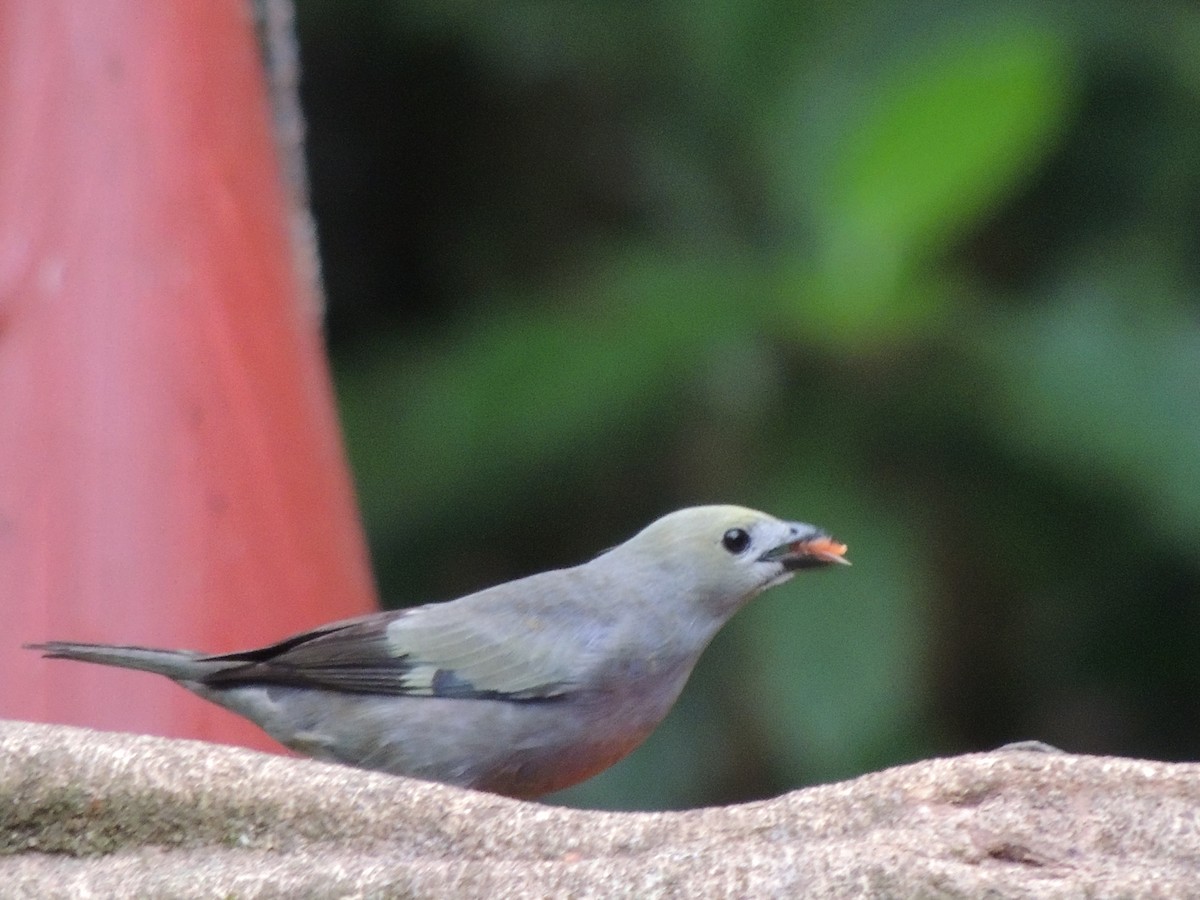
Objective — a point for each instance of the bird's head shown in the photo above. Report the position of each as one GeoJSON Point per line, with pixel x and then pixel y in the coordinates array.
{"type": "Point", "coordinates": [725, 555]}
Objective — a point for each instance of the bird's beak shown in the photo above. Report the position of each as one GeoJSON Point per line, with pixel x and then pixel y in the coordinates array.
{"type": "Point", "coordinates": [808, 553]}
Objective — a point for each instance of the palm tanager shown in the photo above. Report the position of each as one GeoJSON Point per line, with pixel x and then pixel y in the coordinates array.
{"type": "Point", "coordinates": [520, 689]}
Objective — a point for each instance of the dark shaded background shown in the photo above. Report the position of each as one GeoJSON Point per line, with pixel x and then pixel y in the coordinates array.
{"type": "Point", "coordinates": [923, 273]}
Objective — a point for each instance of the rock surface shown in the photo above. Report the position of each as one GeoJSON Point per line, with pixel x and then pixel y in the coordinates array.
{"type": "Point", "coordinates": [85, 813]}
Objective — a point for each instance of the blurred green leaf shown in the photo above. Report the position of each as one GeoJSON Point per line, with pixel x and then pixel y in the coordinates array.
{"type": "Point", "coordinates": [942, 137]}
{"type": "Point", "coordinates": [914, 156]}
{"type": "Point", "coordinates": [517, 390]}
{"type": "Point", "coordinates": [1103, 386]}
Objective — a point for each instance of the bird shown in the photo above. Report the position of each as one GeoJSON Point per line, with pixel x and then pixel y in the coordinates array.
{"type": "Point", "coordinates": [520, 689]}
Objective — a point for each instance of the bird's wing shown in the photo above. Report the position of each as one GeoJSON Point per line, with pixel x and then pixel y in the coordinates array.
{"type": "Point", "coordinates": [431, 651]}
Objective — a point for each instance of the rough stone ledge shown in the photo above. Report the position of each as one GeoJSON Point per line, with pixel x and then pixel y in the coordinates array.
{"type": "Point", "coordinates": [85, 813]}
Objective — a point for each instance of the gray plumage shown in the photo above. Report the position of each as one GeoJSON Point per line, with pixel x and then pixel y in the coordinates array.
{"type": "Point", "coordinates": [521, 689]}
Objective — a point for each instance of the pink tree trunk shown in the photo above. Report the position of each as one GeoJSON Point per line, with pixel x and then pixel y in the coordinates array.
{"type": "Point", "coordinates": [171, 472]}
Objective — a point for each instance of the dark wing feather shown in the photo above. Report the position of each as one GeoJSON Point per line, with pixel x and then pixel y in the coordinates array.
{"type": "Point", "coordinates": [425, 651]}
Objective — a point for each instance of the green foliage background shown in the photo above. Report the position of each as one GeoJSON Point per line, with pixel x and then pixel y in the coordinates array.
{"type": "Point", "coordinates": [923, 273]}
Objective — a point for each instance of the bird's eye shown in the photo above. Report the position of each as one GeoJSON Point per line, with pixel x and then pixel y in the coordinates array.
{"type": "Point", "coordinates": [735, 540]}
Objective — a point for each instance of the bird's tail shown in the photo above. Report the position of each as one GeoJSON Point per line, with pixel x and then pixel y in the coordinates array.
{"type": "Point", "coordinates": [181, 665]}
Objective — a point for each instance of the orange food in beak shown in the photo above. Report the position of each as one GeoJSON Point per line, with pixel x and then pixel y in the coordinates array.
{"type": "Point", "coordinates": [825, 549]}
